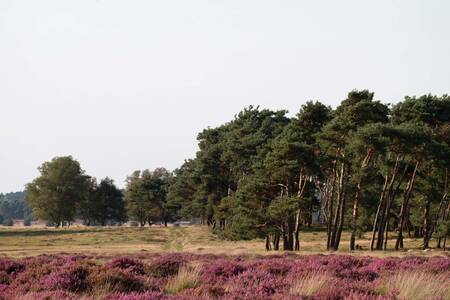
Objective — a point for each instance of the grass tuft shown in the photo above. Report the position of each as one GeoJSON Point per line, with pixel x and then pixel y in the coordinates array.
{"type": "Point", "coordinates": [310, 284]}
{"type": "Point", "coordinates": [418, 286]}
{"type": "Point", "coordinates": [188, 277]}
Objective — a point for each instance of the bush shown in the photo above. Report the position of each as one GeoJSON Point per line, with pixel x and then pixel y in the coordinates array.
{"type": "Point", "coordinates": [134, 224]}
{"type": "Point", "coordinates": [129, 264]}
{"type": "Point", "coordinates": [27, 221]}
{"type": "Point", "coordinates": [114, 281]}
{"type": "Point", "coordinates": [167, 265]}
{"type": "Point", "coordinates": [73, 279]}
{"type": "Point", "coordinates": [8, 222]}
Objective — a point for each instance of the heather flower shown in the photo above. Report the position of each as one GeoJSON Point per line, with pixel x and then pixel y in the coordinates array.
{"type": "Point", "coordinates": [166, 265]}
{"type": "Point", "coordinates": [222, 269]}
{"type": "Point", "coordinates": [11, 267]}
{"type": "Point", "coordinates": [125, 263]}
{"type": "Point", "coordinates": [115, 280]}
{"type": "Point", "coordinates": [73, 279]}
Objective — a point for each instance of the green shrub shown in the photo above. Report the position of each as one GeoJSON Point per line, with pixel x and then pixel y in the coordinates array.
{"type": "Point", "coordinates": [8, 222]}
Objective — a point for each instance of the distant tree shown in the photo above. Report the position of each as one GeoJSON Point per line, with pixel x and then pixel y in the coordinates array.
{"type": "Point", "coordinates": [104, 203]}
{"type": "Point", "coordinates": [109, 205]}
{"type": "Point", "coordinates": [145, 196]}
{"type": "Point", "coordinates": [55, 195]}
{"type": "Point", "coordinates": [8, 222]}
{"type": "Point", "coordinates": [13, 206]}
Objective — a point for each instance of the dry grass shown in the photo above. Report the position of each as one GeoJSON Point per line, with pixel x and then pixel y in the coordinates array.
{"type": "Point", "coordinates": [21, 241]}
{"type": "Point", "coordinates": [418, 286]}
{"type": "Point", "coordinates": [310, 284]}
{"type": "Point", "coordinates": [188, 277]}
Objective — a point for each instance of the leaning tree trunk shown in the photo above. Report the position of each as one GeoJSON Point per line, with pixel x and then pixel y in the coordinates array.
{"type": "Point", "coordinates": [377, 215]}
{"type": "Point", "coordinates": [405, 208]}
{"type": "Point", "coordinates": [386, 206]}
{"type": "Point", "coordinates": [380, 217]}
{"type": "Point", "coordinates": [391, 200]}
{"type": "Point", "coordinates": [364, 165]}
{"type": "Point", "coordinates": [442, 206]}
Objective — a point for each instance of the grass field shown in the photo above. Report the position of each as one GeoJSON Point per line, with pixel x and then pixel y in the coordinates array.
{"type": "Point", "coordinates": [23, 241]}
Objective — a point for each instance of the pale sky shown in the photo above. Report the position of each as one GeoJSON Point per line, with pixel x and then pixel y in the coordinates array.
{"type": "Point", "coordinates": [126, 85]}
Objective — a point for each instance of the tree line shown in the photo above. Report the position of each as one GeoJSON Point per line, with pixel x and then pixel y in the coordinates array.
{"type": "Point", "coordinates": [365, 166]}
{"type": "Point", "coordinates": [64, 192]}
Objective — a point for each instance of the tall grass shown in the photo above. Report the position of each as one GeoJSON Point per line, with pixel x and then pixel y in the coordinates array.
{"type": "Point", "coordinates": [310, 284]}
{"type": "Point", "coordinates": [188, 276]}
{"type": "Point", "coordinates": [419, 285]}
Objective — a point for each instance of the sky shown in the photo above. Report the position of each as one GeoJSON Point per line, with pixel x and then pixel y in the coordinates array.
{"type": "Point", "coordinates": [127, 85]}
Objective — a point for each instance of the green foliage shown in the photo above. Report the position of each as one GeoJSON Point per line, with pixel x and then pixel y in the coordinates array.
{"type": "Point", "coordinates": [13, 206]}
{"type": "Point", "coordinates": [8, 222]}
{"type": "Point", "coordinates": [252, 176]}
{"type": "Point", "coordinates": [104, 204]}
{"type": "Point", "coordinates": [146, 196]}
{"type": "Point", "coordinates": [56, 193]}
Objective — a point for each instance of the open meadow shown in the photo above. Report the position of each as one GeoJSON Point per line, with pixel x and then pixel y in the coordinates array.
{"type": "Point", "coordinates": [32, 241]}
{"type": "Point", "coordinates": [132, 263]}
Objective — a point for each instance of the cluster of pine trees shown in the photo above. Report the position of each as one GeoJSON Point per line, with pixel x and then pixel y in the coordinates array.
{"type": "Point", "coordinates": [366, 166]}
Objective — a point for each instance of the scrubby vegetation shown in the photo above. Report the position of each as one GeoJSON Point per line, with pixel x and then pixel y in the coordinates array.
{"type": "Point", "coordinates": [189, 276]}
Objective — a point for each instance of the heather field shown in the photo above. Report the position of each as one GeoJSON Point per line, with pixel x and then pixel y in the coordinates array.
{"type": "Point", "coordinates": [191, 276]}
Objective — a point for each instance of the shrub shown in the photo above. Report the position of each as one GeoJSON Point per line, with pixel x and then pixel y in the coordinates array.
{"type": "Point", "coordinates": [114, 281]}
{"type": "Point", "coordinates": [11, 267]}
{"type": "Point", "coordinates": [167, 265]}
{"type": "Point", "coordinates": [27, 221]}
{"type": "Point", "coordinates": [8, 222]}
{"type": "Point", "coordinates": [73, 279]}
{"type": "Point", "coordinates": [133, 224]}
{"type": "Point", "coordinates": [222, 270]}
{"type": "Point", "coordinates": [129, 264]}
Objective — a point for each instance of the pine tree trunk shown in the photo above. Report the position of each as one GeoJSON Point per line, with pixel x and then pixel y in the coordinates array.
{"type": "Point", "coordinates": [297, 231]}
{"type": "Point", "coordinates": [386, 207]}
{"type": "Point", "coordinates": [355, 216]}
{"type": "Point", "coordinates": [330, 211]}
{"type": "Point", "coordinates": [268, 246]}
{"type": "Point", "coordinates": [364, 165]}
{"type": "Point", "coordinates": [388, 210]}
{"type": "Point", "coordinates": [404, 208]}
{"type": "Point", "coordinates": [340, 215]}
{"type": "Point", "coordinates": [377, 215]}
{"type": "Point", "coordinates": [426, 226]}
{"type": "Point", "coordinates": [276, 242]}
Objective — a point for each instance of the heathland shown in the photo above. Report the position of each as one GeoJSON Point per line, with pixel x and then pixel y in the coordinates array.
{"type": "Point", "coordinates": [162, 263]}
